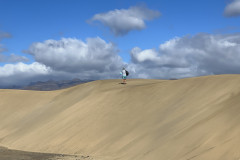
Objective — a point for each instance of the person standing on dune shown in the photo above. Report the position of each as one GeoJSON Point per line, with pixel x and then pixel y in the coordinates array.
{"type": "Point", "coordinates": [124, 74]}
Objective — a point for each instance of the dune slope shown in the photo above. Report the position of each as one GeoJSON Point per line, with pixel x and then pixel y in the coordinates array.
{"type": "Point", "coordinates": [195, 118]}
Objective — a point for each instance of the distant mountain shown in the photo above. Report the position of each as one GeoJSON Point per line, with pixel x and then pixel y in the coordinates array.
{"type": "Point", "coordinates": [11, 87]}
{"type": "Point", "coordinates": [53, 85]}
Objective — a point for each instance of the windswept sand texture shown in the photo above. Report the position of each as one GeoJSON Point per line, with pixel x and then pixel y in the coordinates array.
{"type": "Point", "coordinates": [8, 154]}
{"type": "Point", "coordinates": [187, 119]}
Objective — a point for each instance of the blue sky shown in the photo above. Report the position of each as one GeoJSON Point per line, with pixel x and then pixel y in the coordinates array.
{"type": "Point", "coordinates": [35, 21]}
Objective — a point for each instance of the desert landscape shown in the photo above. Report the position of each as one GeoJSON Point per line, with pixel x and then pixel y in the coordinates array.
{"type": "Point", "coordinates": [146, 119]}
{"type": "Point", "coordinates": [10, 154]}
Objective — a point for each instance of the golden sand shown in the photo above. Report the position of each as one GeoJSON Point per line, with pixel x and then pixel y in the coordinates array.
{"type": "Point", "coordinates": [187, 119]}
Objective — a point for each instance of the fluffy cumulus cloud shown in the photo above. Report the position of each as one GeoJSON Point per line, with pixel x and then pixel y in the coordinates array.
{"type": "Point", "coordinates": [95, 58]}
{"type": "Point", "coordinates": [202, 54]}
{"type": "Point", "coordinates": [22, 74]}
{"type": "Point", "coordinates": [232, 9]}
{"type": "Point", "coordinates": [65, 59]}
{"type": "Point", "coordinates": [121, 21]}
{"type": "Point", "coordinates": [180, 57]}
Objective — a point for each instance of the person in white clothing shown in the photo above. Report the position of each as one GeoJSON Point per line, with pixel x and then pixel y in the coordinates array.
{"type": "Point", "coordinates": [124, 75]}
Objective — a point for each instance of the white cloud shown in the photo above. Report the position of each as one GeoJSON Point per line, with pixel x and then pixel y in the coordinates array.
{"type": "Point", "coordinates": [232, 9]}
{"type": "Point", "coordinates": [202, 54]}
{"type": "Point", "coordinates": [65, 59]}
{"type": "Point", "coordinates": [19, 68]}
{"type": "Point", "coordinates": [75, 56]}
{"type": "Point", "coordinates": [22, 74]}
{"type": "Point", "coordinates": [121, 21]}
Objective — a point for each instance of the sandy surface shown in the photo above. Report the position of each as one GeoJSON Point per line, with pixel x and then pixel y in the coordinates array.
{"type": "Point", "coordinates": [187, 119]}
{"type": "Point", "coordinates": [8, 154]}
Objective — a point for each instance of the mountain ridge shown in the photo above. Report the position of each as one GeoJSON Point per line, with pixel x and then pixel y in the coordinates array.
{"type": "Point", "coordinates": [48, 85]}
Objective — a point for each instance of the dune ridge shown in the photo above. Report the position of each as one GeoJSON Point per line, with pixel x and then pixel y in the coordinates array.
{"type": "Point", "coordinates": [195, 118]}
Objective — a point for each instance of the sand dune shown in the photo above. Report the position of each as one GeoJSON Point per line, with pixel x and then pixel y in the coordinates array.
{"type": "Point", "coordinates": [187, 119]}
{"type": "Point", "coordinates": [9, 154]}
